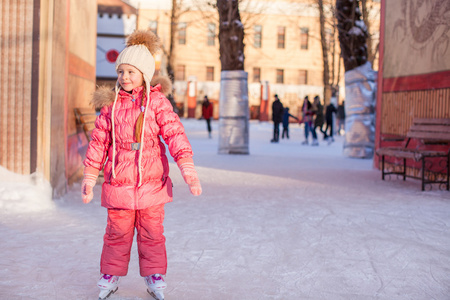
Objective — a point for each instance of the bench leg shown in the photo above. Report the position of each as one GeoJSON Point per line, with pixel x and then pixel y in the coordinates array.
{"type": "Point", "coordinates": [404, 169]}
{"type": "Point", "coordinates": [448, 171]}
{"type": "Point", "coordinates": [382, 167]}
{"type": "Point", "coordinates": [423, 174]}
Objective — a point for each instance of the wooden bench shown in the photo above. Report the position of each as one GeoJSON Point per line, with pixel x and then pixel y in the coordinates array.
{"type": "Point", "coordinates": [432, 137]}
{"type": "Point", "coordinates": [85, 119]}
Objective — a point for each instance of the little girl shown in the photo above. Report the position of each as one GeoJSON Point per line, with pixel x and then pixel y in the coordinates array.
{"type": "Point", "coordinates": [137, 183]}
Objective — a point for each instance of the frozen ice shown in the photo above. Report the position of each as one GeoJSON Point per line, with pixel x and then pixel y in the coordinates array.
{"type": "Point", "coordinates": [285, 222]}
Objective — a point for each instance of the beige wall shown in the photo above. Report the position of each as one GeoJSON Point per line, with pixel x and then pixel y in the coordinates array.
{"type": "Point", "coordinates": [196, 55]}
{"type": "Point", "coordinates": [15, 84]}
{"type": "Point", "coordinates": [48, 53]}
{"type": "Point", "coordinates": [415, 36]}
{"type": "Point", "coordinates": [81, 78]}
{"type": "Point", "coordinates": [83, 29]}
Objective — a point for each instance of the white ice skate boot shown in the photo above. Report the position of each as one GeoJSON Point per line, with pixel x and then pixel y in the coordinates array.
{"type": "Point", "coordinates": [108, 285]}
{"type": "Point", "coordinates": [156, 286]}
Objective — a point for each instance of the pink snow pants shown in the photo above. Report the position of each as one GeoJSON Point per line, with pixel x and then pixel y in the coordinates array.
{"type": "Point", "coordinates": [118, 239]}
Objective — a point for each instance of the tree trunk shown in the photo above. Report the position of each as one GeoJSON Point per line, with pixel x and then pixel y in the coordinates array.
{"type": "Point", "coordinates": [233, 102]}
{"type": "Point", "coordinates": [326, 62]}
{"type": "Point", "coordinates": [352, 33]}
{"type": "Point", "coordinates": [173, 32]}
{"type": "Point", "coordinates": [371, 51]}
{"type": "Point", "coordinates": [360, 81]}
{"type": "Point", "coordinates": [231, 35]}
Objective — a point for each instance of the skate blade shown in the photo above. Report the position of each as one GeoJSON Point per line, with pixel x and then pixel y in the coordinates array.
{"type": "Point", "coordinates": [156, 295]}
{"type": "Point", "coordinates": [104, 294]}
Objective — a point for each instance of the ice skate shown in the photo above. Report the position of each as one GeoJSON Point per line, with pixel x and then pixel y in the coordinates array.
{"type": "Point", "coordinates": [315, 143]}
{"type": "Point", "coordinates": [156, 286]}
{"type": "Point", "coordinates": [305, 142]}
{"type": "Point", "coordinates": [108, 286]}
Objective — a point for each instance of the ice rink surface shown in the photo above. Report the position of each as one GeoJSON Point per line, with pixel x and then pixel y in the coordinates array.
{"type": "Point", "coordinates": [285, 222]}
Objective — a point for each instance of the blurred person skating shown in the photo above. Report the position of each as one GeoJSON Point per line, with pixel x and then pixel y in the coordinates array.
{"type": "Point", "coordinates": [307, 119]}
{"type": "Point", "coordinates": [127, 136]}
{"type": "Point", "coordinates": [340, 116]}
{"type": "Point", "coordinates": [286, 116]}
{"type": "Point", "coordinates": [207, 112]}
{"type": "Point", "coordinates": [331, 109]}
{"type": "Point", "coordinates": [319, 118]}
{"type": "Point", "coordinates": [277, 118]}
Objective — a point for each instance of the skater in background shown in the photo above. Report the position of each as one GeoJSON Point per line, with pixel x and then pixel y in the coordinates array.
{"type": "Point", "coordinates": [340, 116]}
{"type": "Point", "coordinates": [286, 116]}
{"type": "Point", "coordinates": [331, 109]}
{"type": "Point", "coordinates": [127, 136]}
{"type": "Point", "coordinates": [207, 112]}
{"type": "Point", "coordinates": [277, 118]}
{"type": "Point", "coordinates": [308, 115]}
{"type": "Point", "coordinates": [319, 119]}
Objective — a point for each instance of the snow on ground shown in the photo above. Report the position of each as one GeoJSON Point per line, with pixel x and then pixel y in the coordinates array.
{"type": "Point", "coordinates": [285, 222]}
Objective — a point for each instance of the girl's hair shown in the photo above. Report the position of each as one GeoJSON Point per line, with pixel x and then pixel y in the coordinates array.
{"type": "Point", "coordinates": [139, 122]}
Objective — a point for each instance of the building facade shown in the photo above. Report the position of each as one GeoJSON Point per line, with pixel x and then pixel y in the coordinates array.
{"type": "Point", "coordinates": [48, 68]}
{"type": "Point", "coordinates": [414, 71]}
{"type": "Point", "coordinates": [283, 49]}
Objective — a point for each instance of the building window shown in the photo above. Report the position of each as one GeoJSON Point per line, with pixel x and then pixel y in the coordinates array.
{"type": "Point", "coordinates": [209, 73]}
{"type": "Point", "coordinates": [182, 33]}
{"type": "Point", "coordinates": [256, 74]}
{"type": "Point", "coordinates": [211, 34]}
{"type": "Point", "coordinates": [280, 76]}
{"type": "Point", "coordinates": [303, 77]}
{"type": "Point", "coordinates": [258, 36]}
{"type": "Point", "coordinates": [281, 36]}
{"type": "Point", "coordinates": [153, 26]}
{"type": "Point", "coordinates": [304, 37]}
{"type": "Point", "coordinates": [180, 73]}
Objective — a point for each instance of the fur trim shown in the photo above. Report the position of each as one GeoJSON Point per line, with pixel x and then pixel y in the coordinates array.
{"type": "Point", "coordinates": [146, 38]}
{"type": "Point", "coordinates": [164, 81]}
{"type": "Point", "coordinates": [103, 96]}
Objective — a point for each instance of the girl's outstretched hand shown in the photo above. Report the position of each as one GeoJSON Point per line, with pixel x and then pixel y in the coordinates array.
{"type": "Point", "coordinates": [89, 180]}
{"type": "Point", "coordinates": [86, 191]}
{"type": "Point", "coordinates": [190, 176]}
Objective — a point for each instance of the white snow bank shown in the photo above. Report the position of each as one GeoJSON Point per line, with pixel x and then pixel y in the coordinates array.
{"type": "Point", "coordinates": [24, 193]}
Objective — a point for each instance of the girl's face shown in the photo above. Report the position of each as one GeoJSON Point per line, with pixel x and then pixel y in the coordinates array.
{"type": "Point", "coordinates": [129, 77]}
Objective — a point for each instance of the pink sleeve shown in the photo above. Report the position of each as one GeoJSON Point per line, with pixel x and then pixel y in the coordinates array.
{"type": "Point", "coordinates": [171, 129]}
{"type": "Point", "coordinates": [100, 141]}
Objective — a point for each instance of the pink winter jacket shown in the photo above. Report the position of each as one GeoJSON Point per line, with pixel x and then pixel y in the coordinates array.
{"type": "Point", "coordinates": [123, 190]}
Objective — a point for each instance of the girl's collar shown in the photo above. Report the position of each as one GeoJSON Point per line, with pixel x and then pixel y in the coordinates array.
{"type": "Point", "coordinates": [134, 93]}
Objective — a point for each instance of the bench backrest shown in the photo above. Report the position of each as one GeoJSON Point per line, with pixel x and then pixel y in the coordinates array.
{"type": "Point", "coordinates": [85, 117]}
{"type": "Point", "coordinates": [428, 129]}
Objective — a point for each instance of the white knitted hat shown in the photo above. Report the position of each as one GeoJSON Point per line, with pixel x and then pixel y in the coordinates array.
{"type": "Point", "coordinates": [141, 45]}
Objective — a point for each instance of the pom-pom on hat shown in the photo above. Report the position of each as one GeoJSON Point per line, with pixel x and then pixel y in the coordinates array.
{"type": "Point", "coordinates": [141, 46]}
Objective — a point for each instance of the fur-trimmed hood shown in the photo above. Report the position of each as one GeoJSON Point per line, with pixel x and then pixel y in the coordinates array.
{"type": "Point", "coordinates": [104, 95]}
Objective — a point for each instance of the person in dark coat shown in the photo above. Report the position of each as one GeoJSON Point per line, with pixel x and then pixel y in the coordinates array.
{"type": "Point", "coordinates": [319, 120]}
{"type": "Point", "coordinates": [207, 112]}
{"type": "Point", "coordinates": [331, 109]}
{"type": "Point", "coordinates": [340, 116]}
{"type": "Point", "coordinates": [277, 118]}
{"type": "Point", "coordinates": [286, 116]}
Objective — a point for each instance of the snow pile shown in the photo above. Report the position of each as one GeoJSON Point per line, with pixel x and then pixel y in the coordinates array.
{"type": "Point", "coordinates": [24, 193]}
